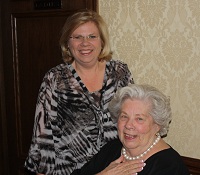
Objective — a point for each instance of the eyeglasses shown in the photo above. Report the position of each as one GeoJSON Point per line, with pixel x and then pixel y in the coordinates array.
{"type": "Point", "coordinates": [81, 38]}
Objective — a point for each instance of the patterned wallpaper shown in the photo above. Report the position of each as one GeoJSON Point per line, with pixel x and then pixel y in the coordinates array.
{"type": "Point", "coordinates": [160, 41]}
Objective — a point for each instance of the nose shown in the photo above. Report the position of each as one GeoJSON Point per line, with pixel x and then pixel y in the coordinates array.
{"type": "Point", "coordinates": [85, 38]}
{"type": "Point", "coordinates": [129, 124]}
{"type": "Point", "coordinates": [85, 41]}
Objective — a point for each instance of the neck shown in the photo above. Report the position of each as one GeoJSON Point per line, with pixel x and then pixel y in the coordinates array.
{"type": "Point", "coordinates": [144, 153]}
{"type": "Point", "coordinates": [85, 69]}
{"type": "Point", "coordinates": [91, 76]}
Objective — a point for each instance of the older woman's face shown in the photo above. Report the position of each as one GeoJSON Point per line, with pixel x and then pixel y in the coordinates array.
{"type": "Point", "coordinates": [85, 44]}
{"type": "Point", "coordinates": [136, 127]}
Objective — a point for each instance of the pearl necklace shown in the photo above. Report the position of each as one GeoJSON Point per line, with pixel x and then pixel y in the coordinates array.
{"type": "Point", "coordinates": [141, 155]}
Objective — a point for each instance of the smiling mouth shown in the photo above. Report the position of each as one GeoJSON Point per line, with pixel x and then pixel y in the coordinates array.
{"type": "Point", "coordinates": [129, 137]}
{"type": "Point", "coordinates": [85, 52]}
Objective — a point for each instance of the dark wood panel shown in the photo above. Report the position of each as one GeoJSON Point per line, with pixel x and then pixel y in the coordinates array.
{"type": "Point", "coordinates": [36, 50]}
{"type": "Point", "coordinates": [3, 142]}
{"type": "Point", "coordinates": [193, 165]}
{"type": "Point", "coordinates": [30, 47]}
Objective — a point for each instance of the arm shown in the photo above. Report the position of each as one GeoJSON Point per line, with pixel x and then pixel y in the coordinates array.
{"type": "Point", "coordinates": [42, 139]}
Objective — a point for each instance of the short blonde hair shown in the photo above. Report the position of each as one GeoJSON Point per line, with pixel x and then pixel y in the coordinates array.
{"type": "Point", "coordinates": [77, 19]}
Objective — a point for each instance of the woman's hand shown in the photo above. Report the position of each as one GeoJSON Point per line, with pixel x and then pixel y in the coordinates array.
{"type": "Point", "coordinates": [122, 167]}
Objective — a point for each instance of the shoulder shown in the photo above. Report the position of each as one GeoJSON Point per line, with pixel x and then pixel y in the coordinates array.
{"type": "Point", "coordinates": [118, 66]}
{"type": "Point", "coordinates": [57, 74]}
{"type": "Point", "coordinates": [109, 151]}
{"type": "Point", "coordinates": [167, 160]}
{"type": "Point", "coordinates": [57, 69]}
{"type": "Point", "coordinates": [119, 72]}
{"type": "Point", "coordinates": [112, 144]}
{"type": "Point", "coordinates": [117, 63]}
{"type": "Point", "coordinates": [167, 155]}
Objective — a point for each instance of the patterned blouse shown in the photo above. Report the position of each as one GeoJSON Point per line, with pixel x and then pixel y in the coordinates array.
{"type": "Point", "coordinates": [71, 123]}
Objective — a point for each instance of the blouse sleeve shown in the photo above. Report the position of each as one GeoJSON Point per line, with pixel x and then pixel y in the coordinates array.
{"type": "Point", "coordinates": [124, 73]}
{"type": "Point", "coordinates": [41, 157]}
{"type": "Point", "coordinates": [129, 75]}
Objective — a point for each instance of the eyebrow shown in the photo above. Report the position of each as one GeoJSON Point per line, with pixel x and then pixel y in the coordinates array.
{"type": "Point", "coordinates": [86, 35]}
{"type": "Point", "coordinates": [145, 115]}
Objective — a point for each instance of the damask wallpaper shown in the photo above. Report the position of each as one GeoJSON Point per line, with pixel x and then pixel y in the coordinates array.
{"type": "Point", "coordinates": [160, 41]}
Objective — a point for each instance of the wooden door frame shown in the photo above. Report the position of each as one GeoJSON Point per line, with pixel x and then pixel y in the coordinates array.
{"type": "Point", "coordinates": [3, 124]}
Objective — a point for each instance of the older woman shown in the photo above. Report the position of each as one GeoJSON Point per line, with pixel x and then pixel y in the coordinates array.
{"type": "Point", "coordinates": [143, 115]}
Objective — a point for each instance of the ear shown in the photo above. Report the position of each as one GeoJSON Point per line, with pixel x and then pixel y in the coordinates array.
{"type": "Point", "coordinates": [157, 128]}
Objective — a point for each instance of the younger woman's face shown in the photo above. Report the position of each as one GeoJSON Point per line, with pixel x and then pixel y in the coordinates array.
{"type": "Point", "coordinates": [85, 44]}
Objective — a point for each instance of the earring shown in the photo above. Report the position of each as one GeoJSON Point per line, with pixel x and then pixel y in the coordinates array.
{"type": "Point", "coordinates": [157, 134]}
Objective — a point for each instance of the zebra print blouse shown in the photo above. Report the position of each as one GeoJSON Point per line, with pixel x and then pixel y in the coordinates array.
{"type": "Point", "coordinates": [72, 124]}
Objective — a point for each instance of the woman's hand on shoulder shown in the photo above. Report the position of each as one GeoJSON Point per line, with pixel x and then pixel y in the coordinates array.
{"type": "Point", "coordinates": [122, 167]}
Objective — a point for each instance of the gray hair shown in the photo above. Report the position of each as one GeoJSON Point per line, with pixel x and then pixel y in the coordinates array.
{"type": "Point", "coordinates": [160, 109]}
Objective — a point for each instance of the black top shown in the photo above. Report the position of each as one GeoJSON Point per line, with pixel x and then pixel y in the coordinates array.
{"type": "Point", "coordinates": [165, 162]}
